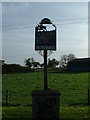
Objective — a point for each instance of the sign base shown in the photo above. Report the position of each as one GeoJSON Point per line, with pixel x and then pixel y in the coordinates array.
{"type": "Point", "coordinates": [45, 105]}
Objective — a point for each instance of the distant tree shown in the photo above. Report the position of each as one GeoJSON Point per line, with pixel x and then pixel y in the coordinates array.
{"type": "Point", "coordinates": [28, 62]}
{"type": "Point", "coordinates": [36, 64]}
{"type": "Point", "coordinates": [42, 65]}
{"type": "Point", "coordinates": [15, 68]}
{"type": "Point", "coordinates": [2, 62]}
{"type": "Point", "coordinates": [53, 63]}
{"type": "Point", "coordinates": [65, 59]}
{"type": "Point", "coordinates": [49, 63]}
{"type": "Point", "coordinates": [71, 57]}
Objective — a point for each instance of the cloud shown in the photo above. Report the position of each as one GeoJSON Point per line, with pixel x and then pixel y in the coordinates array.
{"type": "Point", "coordinates": [12, 7]}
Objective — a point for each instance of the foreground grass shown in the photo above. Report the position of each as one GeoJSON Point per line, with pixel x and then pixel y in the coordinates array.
{"type": "Point", "coordinates": [25, 113]}
{"type": "Point", "coordinates": [21, 113]}
{"type": "Point", "coordinates": [73, 87]}
{"type": "Point", "coordinates": [74, 112]}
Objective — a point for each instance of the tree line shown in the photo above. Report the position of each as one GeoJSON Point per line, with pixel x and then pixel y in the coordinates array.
{"type": "Point", "coordinates": [52, 63]}
{"type": "Point", "coordinates": [32, 65]}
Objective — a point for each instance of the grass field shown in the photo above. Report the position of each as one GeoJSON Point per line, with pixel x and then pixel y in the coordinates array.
{"type": "Point", "coordinates": [73, 87]}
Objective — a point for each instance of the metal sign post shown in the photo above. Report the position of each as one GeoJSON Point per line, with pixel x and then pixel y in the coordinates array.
{"type": "Point", "coordinates": [45, 71]}
{"type": "Point", "coordinates": [45, 103]}
{"type": "Point", "coordinates": [45, 40]}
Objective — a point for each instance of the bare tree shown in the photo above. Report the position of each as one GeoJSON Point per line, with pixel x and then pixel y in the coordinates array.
{"type": "Point", "coordinates": [53, 63]}
{"type": "Point", "coordinates": [28, 62]}
{"type": "Point", "coordinates": [65, 59]}
{"type": "Point", "coordinates": [71, 57]}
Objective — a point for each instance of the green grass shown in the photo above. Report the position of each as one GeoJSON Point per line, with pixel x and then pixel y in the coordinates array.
{"type": "Point", "coordinates": [21, 113]}
{"type": "Point", "coordinates": [25, 113]}
{"type": "Point", "coordinates": [73, 87]}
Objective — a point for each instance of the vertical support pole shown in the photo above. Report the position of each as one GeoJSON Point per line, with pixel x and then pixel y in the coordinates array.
{"type": "Point", "coordinates": [7, 97]}
{"type": "Point", "coordinates": [88, 97]}
{"type": "Point", "coordinates": [45, 70]}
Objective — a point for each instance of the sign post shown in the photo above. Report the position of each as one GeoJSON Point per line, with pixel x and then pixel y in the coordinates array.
{"type": "Point", "coordinates": [45, 40]}
{"type": "Point", "coordinates": [45, 103]}
{"type": "Point", "coordinates": [45, 71]}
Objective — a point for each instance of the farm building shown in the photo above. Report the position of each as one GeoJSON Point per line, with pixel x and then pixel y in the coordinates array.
{"type": "Point", "coordinates": [79, 65]}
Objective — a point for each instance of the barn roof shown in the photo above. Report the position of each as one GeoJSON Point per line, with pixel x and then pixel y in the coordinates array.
{"type": "Point", "coordinates": [79, 64]}
{"type": "Point", "coordinates": [81, 60]}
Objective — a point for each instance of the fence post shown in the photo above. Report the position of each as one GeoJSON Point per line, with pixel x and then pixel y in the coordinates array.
{"type": "Point", "coordinates": [7, 93]}
{"type": "Point", "coordinates": [88, 97]}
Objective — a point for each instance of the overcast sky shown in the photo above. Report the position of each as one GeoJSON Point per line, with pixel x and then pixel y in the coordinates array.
{"type": "Point", "coordinates": [19, 21]}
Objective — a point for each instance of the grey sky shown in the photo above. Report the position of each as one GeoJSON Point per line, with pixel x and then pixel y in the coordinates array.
{"type": "Point", "coordinates": [45, 0]}
{"type": "Point", "coordinates": [20, 19]}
